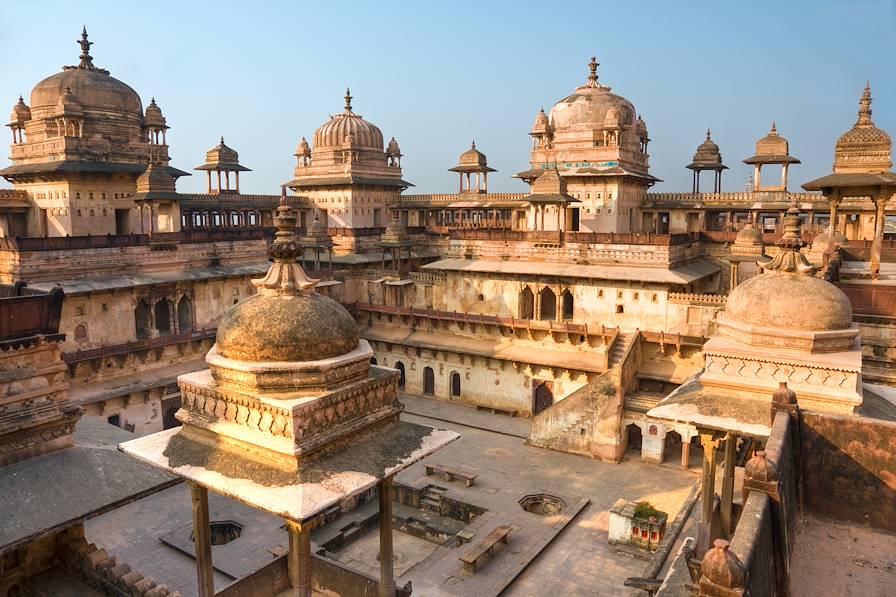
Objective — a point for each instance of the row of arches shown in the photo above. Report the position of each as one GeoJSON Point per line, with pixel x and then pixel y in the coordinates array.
{"type": "Point", "coordinates": [545, 304]}
{"type": "Point", "coordinates": [429, 379]}
{"type": "Point", "coordinates": [162, 318]}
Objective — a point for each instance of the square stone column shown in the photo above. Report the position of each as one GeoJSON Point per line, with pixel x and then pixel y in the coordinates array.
{"type": "Point", "coordinates": [387, 573]}
{"type": "Point", "coordinates": [704, 530]}
{"type": "Point", "coordinates": [202, 540]}
{"type": "Point", "coordinates": [299, 559]}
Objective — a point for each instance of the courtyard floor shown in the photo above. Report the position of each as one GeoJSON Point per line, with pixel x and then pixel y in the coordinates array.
{"type": "Point", "coordinates": [569, 557]}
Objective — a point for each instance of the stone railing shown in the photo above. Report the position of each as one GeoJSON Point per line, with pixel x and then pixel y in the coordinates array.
{"type": "Point", "coordinates": [445, 198]}
{"type": "Point", "coordinates": [25, 312]}
{"type": "Point", "coordinates": [68, 243]}
{"type": "Point", "coordinates": [729, 198]}
{"type": "Point", "coordinates": [128, 347]}
{"type": "Point", "coordinates": [564, 327]}
{"type": "Point", "coordinates": [698, 299]}
{"type": "Point", "coordinates": [612, 238]}
{"type": "Point", "coordinates": [428, 277]}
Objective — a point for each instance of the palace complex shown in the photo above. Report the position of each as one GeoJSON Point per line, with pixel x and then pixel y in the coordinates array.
{"type": "Point", "coordinates": [270, 347]}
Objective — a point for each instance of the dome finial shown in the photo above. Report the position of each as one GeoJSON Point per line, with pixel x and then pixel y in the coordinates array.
{"type": "Point", "coordinates": [222, 139]}
{"type": "Point", "coordinates": [86, 58]}
{"type": "Point", "coordinates": [473, 144]}
{"type": "Point", "coordinates": [285, 276]}
{"type": "Point", "coordinates": [348, 100]}
{"type": "Point", "coordinates": [790, 259]}
{"type": "Point", "coordinates": [708, 135]}
{"type": "Point", "coordinates": [865, 106]}
{"type": "Point", "coordinates": [592, 77]}
{"type": "Point", "coordinates": [774, 130]}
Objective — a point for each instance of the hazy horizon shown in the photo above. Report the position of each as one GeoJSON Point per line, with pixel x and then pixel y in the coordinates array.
{"type": "Point", "coordinates": [435, 76]}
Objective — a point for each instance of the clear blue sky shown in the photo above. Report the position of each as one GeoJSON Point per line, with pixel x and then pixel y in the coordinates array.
{"type": "Point", "coordinates": [436, 74]}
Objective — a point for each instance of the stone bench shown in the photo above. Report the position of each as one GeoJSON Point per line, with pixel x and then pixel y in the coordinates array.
{"type": "Point", "coordinates": [510, 412]}
{"type": "Point", "coordinates": [450, 473]}
{"type": "Point", "coordinates": [480, 554]}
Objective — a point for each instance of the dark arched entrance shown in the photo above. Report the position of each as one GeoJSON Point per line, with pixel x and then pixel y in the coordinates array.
{"type": "Point", "coordinates": [185, 315]}
{"type": "Point", "coordinates": [548, 308]}
{"type": "Point", "coordinates": [141, 319]}
{"type": "Point", "coordinates": [544, 396]}
{"type": "Point", "coordinates": [527, 304]}
{"type": "Point", "coordinates": [633, 436]}
{"type": "Point", "coordinates": [429, 381]}
{"type": "Point", "coordinates": [455, 384]}
{"type": "Point", "coordinates": [163, 317]}
{"type": "Point", "coordinates": [400, 366]}
{"type": "Point", "coordinates": [672, 447]}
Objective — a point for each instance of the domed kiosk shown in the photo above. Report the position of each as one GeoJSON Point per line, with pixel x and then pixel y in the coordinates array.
{"type": "Point", "coordinates": [290, 417]}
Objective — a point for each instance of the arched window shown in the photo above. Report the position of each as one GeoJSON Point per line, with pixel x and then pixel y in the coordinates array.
{"type": "Point", "coordinates": [185, 315]}
{"type": "Point", "coordinates": [373, 360]}
{"type": "Point", "coordinates": [548, 308]}
{"type": "Point", "coordinates": [162, 313]}
{"type": "Point", "coordinates": [429, 381]}
{"type": "Point", "coordinates": [455, 384]}
{"type": "Point", "coordinates": [141, 319]}
{"type": "Point", "coordinates": [400, 366]}
{"type": "Point", "coordinates": [527, 304]}
{"type": "Point", "coordinates": [567, 304]}
{"type": "Point", "coordinates": [81, 333]}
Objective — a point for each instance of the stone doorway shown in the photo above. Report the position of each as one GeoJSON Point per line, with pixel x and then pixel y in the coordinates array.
{"type": "Point", "coordinates": [429, 381]}
{"type": "Point", "coordinates": [455, 384]}
{"type": "Point", "coordinates": [543, 398]}
{"type": "Point", "coordinates": [401, 379]}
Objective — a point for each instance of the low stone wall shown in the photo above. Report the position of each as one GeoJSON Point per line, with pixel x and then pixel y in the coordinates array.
{"type": "Point", "coordinates": [753, 544]}
{"type": "Point", "coordinates": [850, 468]}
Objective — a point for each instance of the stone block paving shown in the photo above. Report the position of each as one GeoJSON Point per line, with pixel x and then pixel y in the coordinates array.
{"type": "Point", "coordinates": [577, 561]}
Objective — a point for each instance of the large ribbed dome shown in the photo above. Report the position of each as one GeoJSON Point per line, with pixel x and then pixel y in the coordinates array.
{"type": "Point", "coordinates": [333, 133]}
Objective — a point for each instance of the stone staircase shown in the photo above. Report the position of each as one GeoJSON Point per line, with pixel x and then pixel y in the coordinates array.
{"type": "Point", "coordinates": [620, 345]}
{"type": "Point", "coordinates": [431, 500]}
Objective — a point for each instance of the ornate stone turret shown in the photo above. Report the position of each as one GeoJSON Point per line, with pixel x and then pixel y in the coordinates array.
{"type": "Point", "coordinates": [318, 240]}
{"type": "Point", "coordinates": [864, 148]}
{"type": "Point", "coordinates": [771, 149]}
{"type": "Point", "coordinates": [707, 157]}
{"type": "Point", "coordinates": [21, 114]}
{"type": "Point", "coordinates": [155, 124]}
{"type": "Point", "coordinates": [472, 162]}
{"type": "Point", "coordinates": [222, 158]}
{"type": "Point", "coordinates": [393, 154]}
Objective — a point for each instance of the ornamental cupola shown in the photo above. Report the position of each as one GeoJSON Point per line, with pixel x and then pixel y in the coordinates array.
{"type": "Point", "coordinates": [864, 148]}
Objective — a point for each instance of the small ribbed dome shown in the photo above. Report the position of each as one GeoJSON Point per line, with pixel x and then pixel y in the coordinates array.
{"type": "Point", "coordinates": [304, 327]}
{"type": "Point", "coordinates": [772, 143]}
{"type": "Point", "coordinates": [541, 123]}
{"type": "Point", "coordinates": [153, 116]}
{"type": "Point", "coordinates": [864, 147]}
{"type": "Point", "coordinates": [333, 133]}
{"type": "Point", "coordinates": [393, 149]}
{"type": "Point", "coordinates": [748, 235]}
{"type": "Point", "coordinates": [154, 179]}
{"type": "Point", "coordinates": [641, 128]}
{"type": "Point", "coordinates": [707, 154]}
{"type": "Point", "coordinates": [21, 113]}
{"type": "Point", "coordinates": [839, 239]}
{"type": "Point", "coordinates": [760, 468]}
{"type": "Point", "coordinates": [472, 157]}
{"type": "Point", "coordinates": [303, 150]}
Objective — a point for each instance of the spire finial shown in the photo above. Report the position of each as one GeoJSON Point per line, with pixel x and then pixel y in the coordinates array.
{"type": "Point", "coordinates": [774, 130]}
{"type": "Point", "coordinates": [592, 77]}
{"type": "Point", "coordinates": [473, 144]}
{"type": "Point", "coordinates": [20, 99]}
{"type": "Point", "coordinates": [222, 139]}
{"type": "Point", "coordinates": [789, 259]}
{"type": "Point", "coordinates": [348, 100]}
{"type": "Point", "coordinates": [865, 105]}
{"type": "Point", "coordinates": [708, 135]}
{"type": "Point", "coordinates": [86, 58]}
{"type": "Point", "coordinates": [285, 276]}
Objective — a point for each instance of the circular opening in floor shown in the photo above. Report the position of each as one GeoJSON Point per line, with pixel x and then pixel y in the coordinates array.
{"type": "Point", "coordinates": [543, 504]}
{"type": "Point", "coordinates": [223, 532]}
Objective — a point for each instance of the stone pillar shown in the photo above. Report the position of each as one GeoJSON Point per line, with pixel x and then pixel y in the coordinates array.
{"type": "Point", "coordinates": [708, 490]}
{"type": "Point", "coordinates": [219, 180]}
{"type": "Point", "coordinates": [834, 201]}
{"type": "Point", "coordinates": [387, 574]}
{"type": "Point", "coordinates": [728, 484]}
{"type": "Point", "coordinates": [202, 540]}
{"type": "Point", "coordinates": [757, 176]}
{"type": "Point", "coordinates": [877, 244]}
{"type": "Point", "coordinates": [227, 179]}
{"type": "Point", "coordinates": [237, 181]}
{"type": "Point", "coordinates": [733, 281]}
{"type": "Point", "coordinates": [209, 173]}
{"type": "Point", "coordinates": [299, 559]}
{"type": "Point", "coordinates": [784, 176]}
{"type": "Point", "coordinates": [685, 452]}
